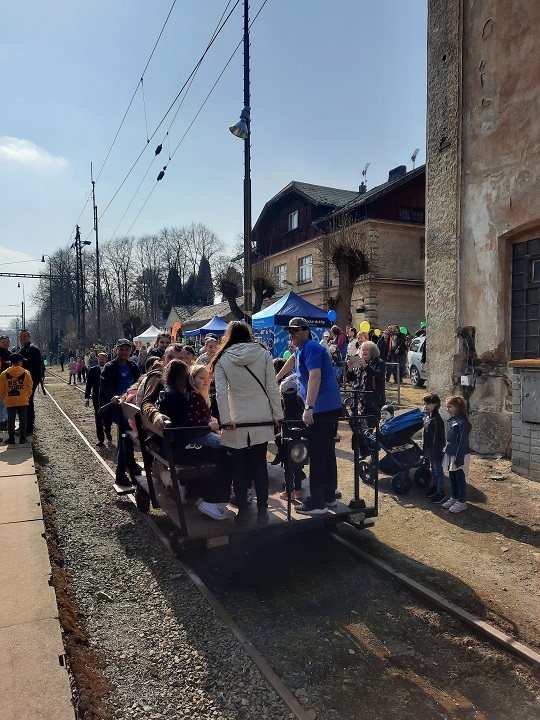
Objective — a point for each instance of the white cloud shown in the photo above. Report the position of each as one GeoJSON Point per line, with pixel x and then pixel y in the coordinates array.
{"type": "Point", "coordinates": [24, 152]}
{"type": "Point", "coordinates": [9, 256]}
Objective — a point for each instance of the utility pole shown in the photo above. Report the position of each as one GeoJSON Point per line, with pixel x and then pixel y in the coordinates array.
{"type": "Point", "coordinates": [75, 246]}
{"type": "Point", "coordinates": [98, 279]}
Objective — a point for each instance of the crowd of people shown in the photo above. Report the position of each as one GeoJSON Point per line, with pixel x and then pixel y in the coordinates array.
{"type": "Point", "coordinates": [239, 396]}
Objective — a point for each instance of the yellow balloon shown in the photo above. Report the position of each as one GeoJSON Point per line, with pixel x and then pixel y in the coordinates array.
{"type": "Point", "coordinates": [365, 326]}
{"type": "Point", "coordinates": [377, 332]}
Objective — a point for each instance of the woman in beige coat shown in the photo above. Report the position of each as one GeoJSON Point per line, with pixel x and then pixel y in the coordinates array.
{"type": "Point", "coordinates": [247, 392]}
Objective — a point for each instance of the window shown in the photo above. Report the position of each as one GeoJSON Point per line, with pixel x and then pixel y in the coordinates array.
{"type": "Point", "coordinates": [293, 221]}
{"type": "Point", "coordinates": [525, 328]}
{"type": "Point", "coordinates": [281, 275]}
{"type": "Point", "coordinates": [305, 269]}
{"type": "Point", "coordinates": [418, 216]}
{"type": "Point", "coordinates": [535, 271]}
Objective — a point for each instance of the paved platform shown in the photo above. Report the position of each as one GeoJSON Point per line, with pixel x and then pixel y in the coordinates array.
{"type": "Point", "coordinates": [33, 683]}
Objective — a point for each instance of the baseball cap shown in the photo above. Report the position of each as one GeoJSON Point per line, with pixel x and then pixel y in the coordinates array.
{"type": "Point", "coordinates": [326, 334]}
{"type": "Point", "coordinates": [122, 341]}
{"type": "Point", "coordinates": [298, 323]}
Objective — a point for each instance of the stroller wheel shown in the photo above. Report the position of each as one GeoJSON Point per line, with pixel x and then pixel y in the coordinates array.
{"type": "Point", "coordinates": [422, 476]}
{"type": "Point", "coordinates": [401, 483]}
{"type": "Point", "coordinates": [364, 470]}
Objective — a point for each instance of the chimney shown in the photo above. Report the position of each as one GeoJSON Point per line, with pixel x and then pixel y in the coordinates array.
{"type": "Point", "coordinates": [362, 189]}
{"type": "Point", "coordinates": [397, 172]}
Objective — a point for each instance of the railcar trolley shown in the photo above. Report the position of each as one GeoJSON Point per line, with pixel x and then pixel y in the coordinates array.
{"type": "Point", "coordinates": [170, 466]}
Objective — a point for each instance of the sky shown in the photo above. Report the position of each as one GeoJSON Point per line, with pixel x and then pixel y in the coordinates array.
{"type": "Point", "coordinates": [334, 86]}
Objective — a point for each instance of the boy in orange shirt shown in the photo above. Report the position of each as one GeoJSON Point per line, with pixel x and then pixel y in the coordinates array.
{"type": "Point", "coordinates": [15, 389]}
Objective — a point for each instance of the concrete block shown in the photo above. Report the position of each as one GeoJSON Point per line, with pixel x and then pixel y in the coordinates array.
{"type": "Point", "coordinates": [33, 684]}
{"type": "Point", "coordinates": [519, 455]}
{"type": "Point", "coordinates": [19, 499]}
{"type": "Point", "coordinates": [526, 431]}
{"type": "Point", "coordinates": [522, 472]}
{"type": "Point", "coordinates": [25, 594]}
{"type": "Point", "coordinates": [16, 460]}
{"type": "Point", "coordinates": [535, 434]}
{"type": "Point", "coordinates": [535, 466]}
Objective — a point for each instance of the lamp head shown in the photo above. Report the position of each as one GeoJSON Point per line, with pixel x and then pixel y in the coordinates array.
{"type": "Point", "coordinates": [241, 127]}
{"type": "Point", "coordinates": [43, 258]}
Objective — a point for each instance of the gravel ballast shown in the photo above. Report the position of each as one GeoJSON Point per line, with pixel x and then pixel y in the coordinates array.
{"type": "Point", "coordinates": [165, 652]}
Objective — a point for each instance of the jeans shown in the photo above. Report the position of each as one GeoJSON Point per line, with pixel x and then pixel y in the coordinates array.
{"type": "Point", "coordinates": [11, 415]}
{"type": "Point", "coordinates": [391, 369]}
{"type": "Point", "coordinates": [437, 475]}
{"type": "Point", "coordinates": [211, 440]}
{"type": "Point", "coordinates": [322, 460]}
{"type": "Point", "coordinates": [103, 424]}
{"type": "Point", "coordinates": [458, 484]}
{"type": "Point", "coordinates": [3, 411]}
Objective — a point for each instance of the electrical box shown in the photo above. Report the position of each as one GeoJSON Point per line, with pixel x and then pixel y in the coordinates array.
{"type": "Point", "coordinates": [530, 396]}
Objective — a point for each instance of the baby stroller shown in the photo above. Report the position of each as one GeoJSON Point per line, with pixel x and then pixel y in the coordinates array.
{"type": "Point", "coordinates": [402, 453]}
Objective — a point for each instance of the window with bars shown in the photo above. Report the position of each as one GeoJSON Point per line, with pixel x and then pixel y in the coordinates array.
{"type": "Point", "coordinates": [526, 300]}
{"type": "Point", "coordinates": [305, 269]}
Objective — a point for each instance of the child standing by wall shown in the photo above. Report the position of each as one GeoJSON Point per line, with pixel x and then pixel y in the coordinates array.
{"type": "Point", "coordinates": [434, 442]}
{"type": "Point", "coordinates": [457, 452]}
{"type": "Point", "coordinates": [15, 388]}
{"type": "Point", "coordinates": [293, 409]}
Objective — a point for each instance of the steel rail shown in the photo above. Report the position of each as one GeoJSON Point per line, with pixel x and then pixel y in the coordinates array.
{"type": "Point", "coordinates": [265, 669]}
{"type": "Point", "coordinates": [492, 633]}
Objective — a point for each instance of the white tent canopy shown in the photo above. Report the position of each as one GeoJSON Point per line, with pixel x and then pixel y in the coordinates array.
{"type": "Point", "coordinates": [148, 335]}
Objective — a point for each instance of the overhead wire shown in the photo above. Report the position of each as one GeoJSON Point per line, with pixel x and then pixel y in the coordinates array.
{"type": "Point", "coordinates": [127, 111]}
{"type": "Point", "coordinates": [166, 134]}
{"type": "Point", "coordinates": [171, 106]}
{"type": "Point", "coordinates": [188, 128]}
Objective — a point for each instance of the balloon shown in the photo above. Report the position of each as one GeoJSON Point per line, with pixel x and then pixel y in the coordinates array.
{"type": "Point", "coordinates": [423, 324]}
{"type": "Point", "coordinates": [365, 326]}
{"type": "Point", "coordinates": [45, 362]}
{"type": "Point", "coordinates": [403, 330]}
{"type": "Point", "coordinates": [332, 315]}
{"type": "Point", "coordinates": [377, 332]}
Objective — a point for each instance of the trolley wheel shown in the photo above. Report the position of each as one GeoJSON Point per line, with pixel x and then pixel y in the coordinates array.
{"type": "Point", "coordinates": [142, 500]}
{"type": "Point", "coordinates": [422, 476]}
{"type": "Point", "coordinates": [364, 470]}
{"type": "Point", "coordinates": [401, 483]}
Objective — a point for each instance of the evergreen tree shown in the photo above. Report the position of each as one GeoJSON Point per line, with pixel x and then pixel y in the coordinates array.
{"type": "Point", "coordinates": [204, 285]}
{"type": "Point", "coordinates": [189, 292]}
{"type": "Point", "coordinates": [173, 291]}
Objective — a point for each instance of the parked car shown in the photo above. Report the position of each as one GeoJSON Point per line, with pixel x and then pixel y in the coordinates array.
{"type": "Point", "coordinates": [414, 362]}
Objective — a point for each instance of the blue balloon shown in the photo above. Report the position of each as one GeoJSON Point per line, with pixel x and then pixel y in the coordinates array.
{"type": "Point", "coordinates": [332, 315]}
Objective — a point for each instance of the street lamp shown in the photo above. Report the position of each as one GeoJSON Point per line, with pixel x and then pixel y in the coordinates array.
{"type": "Point", "coordinates": [50, 297]}
{"type": "Point", "coordinates": [242, 130]}
{"type": "Point", "coordinates": [23, 315]}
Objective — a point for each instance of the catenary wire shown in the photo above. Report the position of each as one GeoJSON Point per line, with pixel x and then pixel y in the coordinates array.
{"type": "Point", "coordinates": [166, 138]}
{"type": "Point", "coordinates": [170, 107]}
{"type": "Point", "coordinates": [187, 130]}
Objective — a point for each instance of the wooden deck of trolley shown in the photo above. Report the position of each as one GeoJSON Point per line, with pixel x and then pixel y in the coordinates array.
{"type": "Point", "coordinates": [204, 529]}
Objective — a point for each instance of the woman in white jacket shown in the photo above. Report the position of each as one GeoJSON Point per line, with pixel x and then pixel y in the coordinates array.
{"type": "Point", "coordinates": [247, 392]}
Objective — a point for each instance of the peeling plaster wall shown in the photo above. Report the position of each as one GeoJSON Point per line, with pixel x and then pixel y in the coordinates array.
{"type": "Point", "coordinates": [486, 98]}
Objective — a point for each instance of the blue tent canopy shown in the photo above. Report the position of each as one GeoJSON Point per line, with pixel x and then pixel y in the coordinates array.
{"type": "Point", "coordinates": [269, 324]}
{"type": "Point", "coordinates": [215, 325]}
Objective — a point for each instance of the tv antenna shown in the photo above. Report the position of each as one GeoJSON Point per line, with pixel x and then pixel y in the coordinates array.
{"type": "Point", "coordinates": [364, 173]}
{"type": "Point", "coordinates": [413, 156]}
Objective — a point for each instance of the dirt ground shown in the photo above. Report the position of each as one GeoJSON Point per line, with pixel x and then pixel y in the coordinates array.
{"type": "Point", "coordinates": [486, 559]}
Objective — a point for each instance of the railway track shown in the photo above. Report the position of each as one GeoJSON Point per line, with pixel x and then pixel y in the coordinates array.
{"type": "Point", "coordinates": [258, 585]}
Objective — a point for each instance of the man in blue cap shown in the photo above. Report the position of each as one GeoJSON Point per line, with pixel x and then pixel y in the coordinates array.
{"type": "Point", "coordinates": [320, 391]}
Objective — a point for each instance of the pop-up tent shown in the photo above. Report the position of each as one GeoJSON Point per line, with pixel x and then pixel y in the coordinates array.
{"type": "Point", "coordinates": [148, 335]}
{"type": "Point", "coordinates": [215, 325]}
{"type": "Point", "coordinates": [269, 324]}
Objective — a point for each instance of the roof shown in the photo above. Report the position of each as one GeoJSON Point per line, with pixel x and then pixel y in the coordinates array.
{"type": "Point", "coordinates": [316, 194]}
{"type": "Point", "coordinates": [375, 193]}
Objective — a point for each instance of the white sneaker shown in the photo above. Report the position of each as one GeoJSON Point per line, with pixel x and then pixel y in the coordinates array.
{"type": "Point", "coordinates": [212, 510]}
{"type": "Point", "coordinates": [458, 507]}
{"type": "Point", "coordinates": [448, 504]}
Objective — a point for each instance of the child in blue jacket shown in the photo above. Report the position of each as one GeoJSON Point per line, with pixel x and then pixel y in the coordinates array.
{"type": "Point", "coordinates": [457, 453]}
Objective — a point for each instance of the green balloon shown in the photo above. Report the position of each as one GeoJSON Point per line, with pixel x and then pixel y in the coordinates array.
{"type": "Point", "coordinates": [423, 324]}
{"type": "Point", "coordinates": [45, 362]}
{"type": "Point", "coordinates": [403, 330]}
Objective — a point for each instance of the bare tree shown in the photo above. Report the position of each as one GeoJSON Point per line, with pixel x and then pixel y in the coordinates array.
{"type": "Point", "coordinates": [347, 246]}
